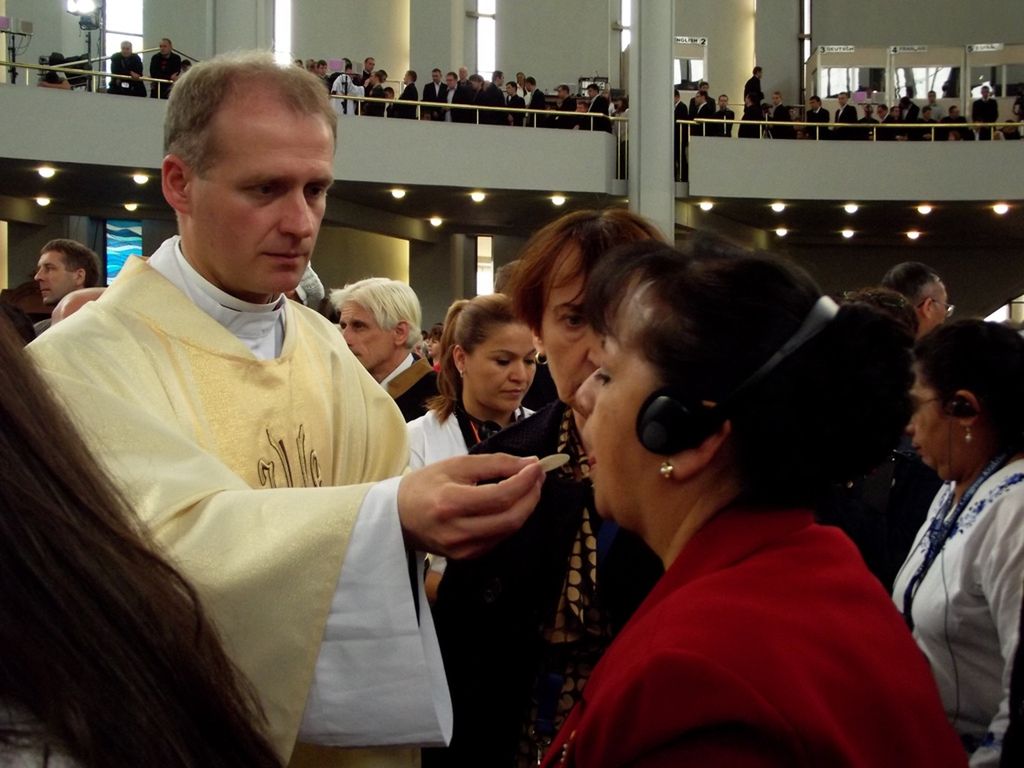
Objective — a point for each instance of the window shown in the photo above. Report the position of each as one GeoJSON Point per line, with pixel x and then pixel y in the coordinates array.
{"type": "Point", "coordinates": [626, 22]}
{"type": "Point", "coordinates": [484, 265]}
{"type": "Point", "coordinates": [486, 37]}
{"type": "Point", "coordinates": [283, 31]}
{"type": "Point", "coordinates": [123, 22]}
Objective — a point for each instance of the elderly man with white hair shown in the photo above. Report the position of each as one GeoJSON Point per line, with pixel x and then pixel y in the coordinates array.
{"type": "Point", "coordinates": [380, 320]}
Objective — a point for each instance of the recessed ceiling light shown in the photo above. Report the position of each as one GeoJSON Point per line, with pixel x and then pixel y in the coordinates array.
{"type": "Point", "coordinates": [924, 209]}
{"type": "Point", "coordinates": [913, 234]}
{"type": "Point", "coordinates": [435, 221]}
{"type": "Point", "coordinates": [707, 205]}
{"type": "Point", "coordinates": [140, 178]}
{"type": "Point", "coordinates": [1000, 208]}
{"type": "Point", "coordinates": [558, 199]}
{"type": "Point", "coordinates": [477, 197]}
{"type": "Point", "coordinates": [398, 194]}
{"type": "Point", "coordinates": [131, 206]}
{"type": "Point", "coordinates": [781, 231]}
{"type": "Point", "coordinates": [851, 207]}
{"type": "Point", "coordinates": [778, 207]}
{"type": "Point", "coordinates": [45, 171]}
{"type": "Point", "coordinates": [43, 201]}
{"type": "Point", "coordinates": [847, 233]}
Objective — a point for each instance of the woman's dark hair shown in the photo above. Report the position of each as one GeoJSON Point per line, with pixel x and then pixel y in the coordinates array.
{"type": "Point", "coordinates": [468, 324]}
{"type": "Point", "coordinates": [582, 235]}
{"type": "Point", "coordinates": [102, 642]}
{"type": "Point", "coordinates": [828, 413]}
{"type": "Point", "coordinates": [20, 322]}
{"type": "Point", "coordinates": [986, 359]}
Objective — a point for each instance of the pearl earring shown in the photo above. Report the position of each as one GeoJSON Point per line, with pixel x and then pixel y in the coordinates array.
{"type": "Point", "coordinates": [967, 435]}
{"type": "Point", "coordinates": [666, 470]}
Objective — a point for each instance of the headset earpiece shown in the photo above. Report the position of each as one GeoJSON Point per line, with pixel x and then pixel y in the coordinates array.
{"type": "Point", "coordinates": [668, 423]}
{"type": "Point", "coordinates": [960, 407]}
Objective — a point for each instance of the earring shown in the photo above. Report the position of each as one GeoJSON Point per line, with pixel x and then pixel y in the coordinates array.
{"type": "Point", "coordinates": [666, 470]}
{"type": "Point", "coordinates": [967, 435]}
{"type": "Point", "coordinates": [542, 359]}
{"type": "Point", "coordinates": [461, 373]}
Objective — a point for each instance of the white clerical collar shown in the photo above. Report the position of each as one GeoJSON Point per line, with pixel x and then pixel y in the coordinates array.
{"type": "Point", "coordinates": [259, 326]}
{"type": "Point", "coordinates": [405, 365]}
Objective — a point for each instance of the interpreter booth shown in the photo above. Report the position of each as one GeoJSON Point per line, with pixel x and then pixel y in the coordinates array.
{"type": "Point", "coordinates": [689, 64]}
{"type": "Point", "coordinates": [863, 71]}
{"type": "Point", "coordinates": [917, 69]}
{"type": "Point", "coordinates": [1001, 68]}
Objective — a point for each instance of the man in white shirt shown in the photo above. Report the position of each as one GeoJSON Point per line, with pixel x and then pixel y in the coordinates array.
{"type": "Point", "coordinates": [254, 447]}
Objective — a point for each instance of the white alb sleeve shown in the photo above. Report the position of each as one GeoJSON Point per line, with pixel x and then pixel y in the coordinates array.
{"type": "Point", "coordinates": [379, 679]}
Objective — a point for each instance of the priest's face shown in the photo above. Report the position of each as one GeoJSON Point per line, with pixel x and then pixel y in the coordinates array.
{"type": "Point", "coordinates": [249, 222]}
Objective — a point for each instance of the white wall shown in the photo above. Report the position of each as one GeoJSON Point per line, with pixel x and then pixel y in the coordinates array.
{"type": "Point", "coordinates": [326, 29]}
{"type": "Point", "coordinates": [916, 22]}
{"type": "Point", "coordinates": [346, 255]}
{"type": "Point", "coordinates": [777, 49]}
{"type": "Point", "coordinates": [556, 42]}
{"type": "Point", "coordinates": [729, 28]}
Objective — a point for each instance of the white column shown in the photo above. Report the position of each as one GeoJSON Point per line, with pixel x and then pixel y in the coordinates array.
{"type": "Point", "coordinates": [651, 183]}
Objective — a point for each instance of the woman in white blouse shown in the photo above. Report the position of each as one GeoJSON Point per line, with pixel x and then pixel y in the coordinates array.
{"type": "Point", "coordinates": [960, 587]}
{"type": "Point", "coordinates": [487, 365]}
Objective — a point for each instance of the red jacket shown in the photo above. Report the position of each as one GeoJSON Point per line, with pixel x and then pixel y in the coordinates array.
{"type": "Point", "coordinates": [766, 643]}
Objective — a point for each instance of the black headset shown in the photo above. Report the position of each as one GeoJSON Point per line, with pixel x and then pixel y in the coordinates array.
{"type": "Point", "coordinates": [960, 407]}
{"type": "Point", "coordinates": [670, 421]}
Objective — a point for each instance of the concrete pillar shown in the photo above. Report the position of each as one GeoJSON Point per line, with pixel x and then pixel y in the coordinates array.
{"type": "Point", "coordinates": [651, 183]}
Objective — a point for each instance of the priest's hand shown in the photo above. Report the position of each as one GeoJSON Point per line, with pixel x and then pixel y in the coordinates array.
{"type": "Point", "coordinates": [455, 508]}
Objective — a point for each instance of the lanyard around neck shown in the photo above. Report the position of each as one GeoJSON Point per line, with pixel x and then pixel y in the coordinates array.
{"type": "Point", "coordinates": [943, 526]}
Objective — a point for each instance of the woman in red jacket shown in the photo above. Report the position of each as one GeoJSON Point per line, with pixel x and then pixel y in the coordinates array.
{"type": "Point", "coordinates": [729, 392]}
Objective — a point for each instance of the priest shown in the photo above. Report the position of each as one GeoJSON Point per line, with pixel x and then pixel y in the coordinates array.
{"type": "Point", "coordinates": [262, 457]}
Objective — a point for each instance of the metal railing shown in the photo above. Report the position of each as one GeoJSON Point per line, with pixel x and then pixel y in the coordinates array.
{"type": "Point", "coordinates": [96, 75]}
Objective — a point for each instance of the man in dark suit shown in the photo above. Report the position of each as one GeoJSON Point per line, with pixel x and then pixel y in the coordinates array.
{"type": "Point", "coordinates": [486, 94]}
{"type": "Point", "coordinates": [779, 114]}
{"type": "Point", "coordinates": [847, 113]}
{"type": "Point", "coordinates": [409, 93]}
{"type": "Point", "coordinates": [514, 101]}
{"type": "Point", "coordinates": [436, 92]}
{"type": "Point", "coordinates": [599, 105]}
{"type": "Point", "coordinates": [701, 110]}
{"type": "Point", "coordinates": [374, 88]}
{"type": "Point", "coordinates": [368, 64]}
{"type": "Point", "coordinates": [817, 114]}
{"type": "Point", "coordinates": [984, 110]}
{"type": "Point", "coordinates": [954, 117]}
{"type": "Point", "coordinates": [534, 100]}
{"type": "Point", "coordinates": [460, 93]}
{"type": "Point", "coordinates": [702, 87]}
{"type": "Point", "coordinates": [680, 137]}
{"type": "Point", "coordinates": [723, 113]}
{"type": "Point", "coordinates": [868, 121]}
{"type": "Point", "coordinates": [565, 109]}
{"type": "Point", "coordinates": [753, 87]}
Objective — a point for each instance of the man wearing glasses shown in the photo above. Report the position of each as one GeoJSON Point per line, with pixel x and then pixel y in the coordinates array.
{"type": "Point", "coordinates": [924, 289]}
